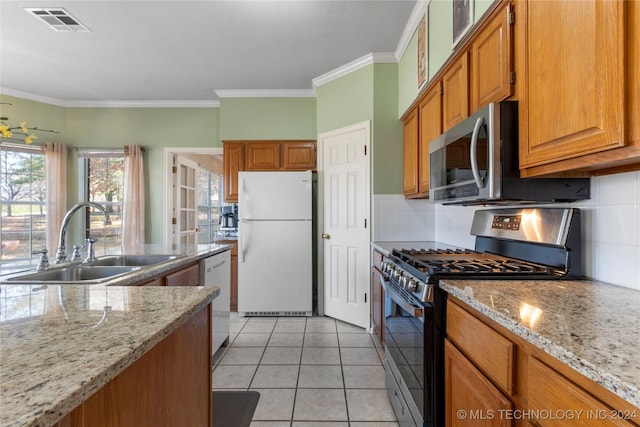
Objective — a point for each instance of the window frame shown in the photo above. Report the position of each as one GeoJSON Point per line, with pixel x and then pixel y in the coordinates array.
{"type": "Point", "coordinates": [31, 150]}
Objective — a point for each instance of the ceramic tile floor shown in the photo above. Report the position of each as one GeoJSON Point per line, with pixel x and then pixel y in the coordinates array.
{"type": "Point", "coordinates": [310, 372]}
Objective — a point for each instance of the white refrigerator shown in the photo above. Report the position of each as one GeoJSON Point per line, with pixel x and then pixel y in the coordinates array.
{"type": "Point", "coordinates": [274, 244]}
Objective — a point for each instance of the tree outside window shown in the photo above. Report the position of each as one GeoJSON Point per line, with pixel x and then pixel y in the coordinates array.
{"type": "Point", "coordinates": [22, 203]}
{"type": "Point", "coordinates": [105, 185]}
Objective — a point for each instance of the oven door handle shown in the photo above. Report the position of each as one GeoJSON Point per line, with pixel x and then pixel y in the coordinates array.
{"type": "Point", "coordinates": [416, 312]}
{"type": "Point", "coordinates": [473, 153]}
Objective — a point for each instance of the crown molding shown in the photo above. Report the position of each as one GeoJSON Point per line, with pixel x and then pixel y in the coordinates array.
{"type": "Point", "coordinates": [265, 93]}
{"type": "Point", "coordinates": [145, 104]}
{"type": "Point", "coordinates": [363, 61]}
{"type": "Point", "coordinates": [414, 20]}
{"type": "Point", "coordinates": [32, 97]}
{"type": "Point", "coordinates": [110, 103]}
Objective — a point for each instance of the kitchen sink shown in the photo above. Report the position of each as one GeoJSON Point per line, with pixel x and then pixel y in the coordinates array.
{"type": "Point", "coordinates": [133, 260]}
{"type": "Point", "coordinates": [73, 274]}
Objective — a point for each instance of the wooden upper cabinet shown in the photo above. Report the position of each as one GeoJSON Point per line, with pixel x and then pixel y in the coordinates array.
{"type": "Point", "coordinates": [455, 92]}
{"type": "Point", "coordinates": [410, 153]}
{"type": "Point", "coordinates": [491, 64]}
{"type": "Point", "coordinates": [233, 160]}
{"type": "Point", "coordinates": [430, 122]}
{"type": "Point", "coordinates": [262, 155]}
{"type": "Point", "coordinates": [299, 155]}
{"type": "Point", "coordinates": [574, 80]}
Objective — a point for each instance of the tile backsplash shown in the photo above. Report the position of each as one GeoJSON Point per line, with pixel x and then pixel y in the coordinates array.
{"type": "Point", "coordinates": [610, 226]}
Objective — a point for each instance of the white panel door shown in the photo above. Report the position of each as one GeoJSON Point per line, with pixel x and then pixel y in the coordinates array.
{"type": "Point", "coordinates": [345, 175]}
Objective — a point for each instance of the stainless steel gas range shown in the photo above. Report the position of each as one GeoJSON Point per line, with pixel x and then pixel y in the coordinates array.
{"type": "Point", "coordinates": [522, 243]}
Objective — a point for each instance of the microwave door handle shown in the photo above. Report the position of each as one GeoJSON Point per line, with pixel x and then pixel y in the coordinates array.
{"type": "Point", "coordinates": [474, 153]}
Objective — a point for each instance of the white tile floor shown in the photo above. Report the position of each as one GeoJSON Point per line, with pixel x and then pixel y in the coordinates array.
{"type": "Point", "coordinates": [310, 372]}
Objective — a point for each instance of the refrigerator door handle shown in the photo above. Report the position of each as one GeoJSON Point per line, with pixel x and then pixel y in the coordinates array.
{"type": "Point", "coordinates": [241, 242]}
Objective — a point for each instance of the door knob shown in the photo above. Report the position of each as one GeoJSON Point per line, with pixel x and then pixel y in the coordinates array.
{"type": "Point", "coordinates": [325, 236]}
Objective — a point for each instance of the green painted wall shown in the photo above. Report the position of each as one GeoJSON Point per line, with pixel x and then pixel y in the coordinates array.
{"type": "Point", "coordinates": [45, 116]}
{"type": "Point", "coordinates": [154, 128]}
{"type": "Point", "coordinates": [370, 93]}
{"type": "Point", "coordinates": [386, 159]}
{"type": "Point", "coordinates": [267, 118]}
{"type": "Point", "coordinates": [439, 50]}
{"type": "Point", "coordinates": [345, 101]}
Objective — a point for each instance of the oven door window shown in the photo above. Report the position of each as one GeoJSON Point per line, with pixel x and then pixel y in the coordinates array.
{"type": "Point", "coordinates": [405, 341]}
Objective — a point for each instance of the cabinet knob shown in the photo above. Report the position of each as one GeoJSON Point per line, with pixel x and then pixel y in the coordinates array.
{"type": "Point", "coordinates": [326, 236]}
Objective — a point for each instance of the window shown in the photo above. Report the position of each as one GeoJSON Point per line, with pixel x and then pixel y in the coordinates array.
{"type": "Point", "coordinates": [209, 188]}
{"type": "Point", "coordinates": [22, 202]}
{"type": "Point", "coordinates": [103, 183]}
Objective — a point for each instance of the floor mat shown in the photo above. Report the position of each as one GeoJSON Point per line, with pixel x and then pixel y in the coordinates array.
{"type": "Point", "coordinates": [234, 408]}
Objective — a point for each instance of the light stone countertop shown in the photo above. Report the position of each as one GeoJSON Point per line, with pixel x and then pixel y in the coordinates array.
{"type": "Point", "coordinates": [60, 343]}
{"type": "Point", "coordinates": [590, 326]}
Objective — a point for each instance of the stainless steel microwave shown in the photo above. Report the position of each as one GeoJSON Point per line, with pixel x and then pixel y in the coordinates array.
{"type": "Point", "coordinates": [476, 163]}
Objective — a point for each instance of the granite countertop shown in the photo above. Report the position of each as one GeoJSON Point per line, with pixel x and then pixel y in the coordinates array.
{"type": "Point", "coordinates": [591, 326]}
{"type": "Point", "coordinates": [186, 255]}
{"type": "Point", "coordinates": [61, 343]}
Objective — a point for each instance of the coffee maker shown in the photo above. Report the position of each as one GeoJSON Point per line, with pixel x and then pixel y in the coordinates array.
{"type": "Point", "coordinates": [229, 218]}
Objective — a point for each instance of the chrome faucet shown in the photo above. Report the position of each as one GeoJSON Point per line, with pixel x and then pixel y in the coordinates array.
{"type": "Point", "coordinates": [61, 256]}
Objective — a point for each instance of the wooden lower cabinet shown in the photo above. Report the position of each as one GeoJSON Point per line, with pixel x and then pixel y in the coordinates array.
{"type": "Point", "coordinates": [188, 276]}
{"type": "Point", "coordinates": [495, 378]}
{"type": "Point", "coordinates": [170, 385]}
{"type": "Point", "coordinates": [377, 295]}
{"type": "Point", "coordinates": [470, 398]}
{"type": "Point", "coordinates": [183, 276]}
{"type": "Point", "coordinates": [551, 391]}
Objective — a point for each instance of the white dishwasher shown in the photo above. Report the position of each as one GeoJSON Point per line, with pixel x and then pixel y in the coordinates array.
{"type": "Point", "coordinates": [216, 271]}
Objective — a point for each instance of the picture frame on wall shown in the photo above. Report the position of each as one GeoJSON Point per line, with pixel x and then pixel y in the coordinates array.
{"type": "Point", "coordinates": [423, 50]}
{"type": "Point", "coordinates": [462, 12]}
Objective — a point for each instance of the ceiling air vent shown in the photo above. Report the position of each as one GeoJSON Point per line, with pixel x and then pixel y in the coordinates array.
{"type": "Point", "coordinates": [58, 19]}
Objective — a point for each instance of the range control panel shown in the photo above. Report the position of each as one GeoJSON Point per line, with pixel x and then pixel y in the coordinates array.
{"type": "Point", "coordinates": [506, 222]}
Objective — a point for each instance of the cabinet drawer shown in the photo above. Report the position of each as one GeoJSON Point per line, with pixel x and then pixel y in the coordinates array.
{"type": "Point", "coordinates": [189, 276]}
{"type": "Point", "coordinates": [377, 258]}
{"type": "Point", "coordinates": [552, 392]}
{"type": "Point", "coordinates": [492, 353]}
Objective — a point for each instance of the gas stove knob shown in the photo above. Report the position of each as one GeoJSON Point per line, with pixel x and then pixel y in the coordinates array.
{"type": "Point", "coordinates": [402, 281]}
{"type": "Point", "coordinates": [410, 285]}
{"type": "Point", "coordinates": [396, 274]}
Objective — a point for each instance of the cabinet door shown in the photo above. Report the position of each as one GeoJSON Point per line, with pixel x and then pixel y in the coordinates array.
{"type": "Point", "coordinates": [491, 62]}
{"type": "Point", "coordinates": [188, 276]}
{"type": "Point", "coordinates": [233, 163]}
{"type": "Point", "coordinates": [377, 296]}
{"type": "Point", "coordinates": [430, 127]}
{"type": "Point", "coordinates": [470, 398]}
{"type": "Point", "coordinates": [262, 155]}
{"type": "Point", "coordinates": [410, 153]}
{"type": "Point", "coordinates": [455, 92]}
{"type": "Point", "coordinates": [552, 392]}
{"type": "Point", "coordinates": [574, 80]}
{"type": "Point", "coordinates": [299, 155]}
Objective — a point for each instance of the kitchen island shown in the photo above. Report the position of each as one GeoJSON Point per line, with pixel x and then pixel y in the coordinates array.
{"type": "Point", "coordinates": [591, 327]}
{"type": "Point", "coordinates": [66, 349]}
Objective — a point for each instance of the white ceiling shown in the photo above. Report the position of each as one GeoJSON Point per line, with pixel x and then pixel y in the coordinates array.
{"type": "Point", "coordinates": [145, 50]}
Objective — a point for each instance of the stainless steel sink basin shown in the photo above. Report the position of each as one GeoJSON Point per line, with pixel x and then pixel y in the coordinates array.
{"type": "Point", "coordinates": [73, 274]}
{"type": "Point", "coordinates": [133, 260]}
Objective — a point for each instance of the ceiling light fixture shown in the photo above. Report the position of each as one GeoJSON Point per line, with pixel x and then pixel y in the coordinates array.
{"type": "Point", "coordinates": [58, 19]}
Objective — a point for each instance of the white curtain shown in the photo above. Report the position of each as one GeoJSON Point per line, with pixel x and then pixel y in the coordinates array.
{"type": "Point", "coordinates": [55, 166]}
{"type": "Point", "coordinates": [133, 202]}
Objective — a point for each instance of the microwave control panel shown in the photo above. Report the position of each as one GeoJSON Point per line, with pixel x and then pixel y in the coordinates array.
{"type": "Point", "coordinates": [506, 222]}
